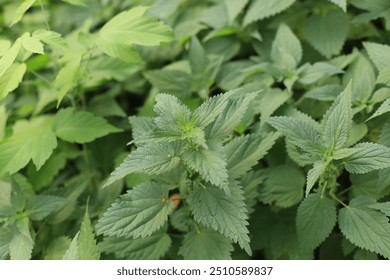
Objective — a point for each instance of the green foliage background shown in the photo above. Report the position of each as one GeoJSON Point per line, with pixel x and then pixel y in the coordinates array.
{"type": "Point", "coordinates": [195, 129]}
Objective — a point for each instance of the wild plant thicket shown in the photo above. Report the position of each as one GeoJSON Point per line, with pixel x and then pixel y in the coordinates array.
{"type": "Point", "coordinates": [207, 129]}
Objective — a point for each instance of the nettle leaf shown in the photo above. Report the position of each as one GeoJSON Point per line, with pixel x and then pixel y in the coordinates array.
{"type": "Point", "coordinates": [310, 74]}
{"type": "Point", "coordinates": [21, 10]}
{"type": "Point", "coordinates": [367, 157]}
{"type": "Point", "coordinates": [9, 56]}
{"type": "Point", "coordinates": [80, 127]}
{"type": "Point", "coordinates": [141, 128]}
{"type": "Point", "coordinates": [365, 227]}
{"type": "Point", "coordinates": [152, 247]}
{"type": "Point", "coordinates": [271, 100]}
{"type": "Point", "coordinates": [206, 244]}
{"type": "Point", "coordinates": [234, 8]}
{"type": "Point", "coordinates": [286, 49]}
{"type": "Point", "coordinates": [209, 163]}
{"type": "Point", "coordinates": [379, 54]}
{"type": "Point", "coordinates": [176, 82]}
{"type": "Point", "coordinates": [327, 32]}
{"type": "Point", "coordinates": [22, 243]}
{"type": "Point", "coordinates": [384, 207]}
{"type": "Point", "coordinates": [227, 214]}
{"type": "Point", "coordinates": [341, 3]}
{"type": "Point", "coordinates": [6, 235]}
{"type": "Point", "coordinates": [138, 213]}
{"type": "Point", "coordinates": [299, 133]}
{"type": "Point", "coordinates": [117, 37]}
{"type": "Point", "coordinates": [40, 206]}
{"type": "Point", "coordinates": [338, 121]}
{"type": "Point", "coordinates": [32, 140]}
{"type": "Point", "coordinates": [86, 243]}
{"type": "Point", "coordinates": [209, 110]}
{"type": "Point", "coordinates": [383, 109]}
{"type": "Point", "coordinates": [244, 152]}
{"type": "Point", "coordinates": [316, 218]}
{"type": "Point", "coordinates": [197, 57]}
{"type": "Point", "coordinates": [283, 186]}
{"type": "Point", "coordinates": [152, 159]}
{"type": "Point", "coordinates": [384, 137]}
{"type": "Point", "coordinates": [11, 79]}
{"type": "Point", "coordinates": [73, 251]}
{"type": "Point", "coordinates": [260, 9]}
{"type": "Point", "coordinates": [315, 173]}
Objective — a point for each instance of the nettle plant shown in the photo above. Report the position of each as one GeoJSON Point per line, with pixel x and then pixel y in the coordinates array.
{"type": "Point", "coordinates": [195, 157]}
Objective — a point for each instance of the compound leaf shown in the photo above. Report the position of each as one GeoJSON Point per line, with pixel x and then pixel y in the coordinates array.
{"type": "Point", "coordinates": [316, 218]}
{"type": "Point", "coordinates": [80, 126]}
{"type": "Point", "coordinates": [206, 244]}
{"type": "Point", "coordinates": [138, 213]}
{"type": "Point", "coordinates": [365, 227]}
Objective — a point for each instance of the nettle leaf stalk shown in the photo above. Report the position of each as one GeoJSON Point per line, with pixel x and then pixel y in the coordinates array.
{"type": "Point", "coordinates": [206, 162]}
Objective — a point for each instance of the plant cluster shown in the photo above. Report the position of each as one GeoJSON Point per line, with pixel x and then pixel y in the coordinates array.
{"type": "Point", "coordinates": [181, 129]}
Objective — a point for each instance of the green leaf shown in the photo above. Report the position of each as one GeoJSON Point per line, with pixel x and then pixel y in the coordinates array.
{"type": "Point", "coordinates": [234, 8]}
{"type": "Point", "coordinates": [367, 157]}
{"type": "Point", "coordinates": [138, 213]}
{"type": "Point", "coordinates": [170, 80]}
{"type": "Point", "coordinates": [79, 126]}
{"type": "Point", "coordinates": [21, 245]}
{"type": "Point", "coordinates": [379, 54]}
{"type": "Point", "coordinates": [40, 206]}
{"type": "Point", "coordinates": [260, 9]}
{"type": "Point", "coordinates": [209, 163]}
{"type": "Point", "coordinates": [299, 133]}
{"type": "Point", "coordinates": [366, 227]}
{"type": "Point", "coordinates": [11, 79]}
{"type": "Point", "coordinates": [6, 235]}
{"type": "Point", "coordinates": [316, 218]}
{"type": "Point", "coordinates": [245, 151]}
{"type": "Point", "coordinates": [310, 74]}
{"type": "Point", "coordinates": [337, 125]}
{"type": "Point", "coordinates": [341, 3]}
{"type": "Point", "coordinates": [77, 2]}
{"type": "Point", "coordinates": [32, 44]}
{"type": "Point", "coordinates": [152, 159]}
{"type": "Point", "coordinates": [283, 186]}
{"type": "Point", "coordinates": [327, 32]}
{"type": "Point", "coordinates": [383, 109]}
{"type": "Point", "coordinates": [286, 49]}
{"type": "Point", "coordinates": [3, 120]}
{"type": "Point", "coordinates": [197, 57]}
{"type": "Point", "coordinates": [384, 137]}
{"type": "Point", "coordinates": [141, 128]}
{"type": "Point", "coordinates": [384, 207]}
{"type": "Point", "coordinates": [53, 39]}
{"type": "Point", "coordinates": [149, 248]}
{"type": "Point", "coordinates": [31, 140]}
{"type": "Point", "coordinates": [9, 56]}
{"type": "Point", "coordinates": [314, 173]}
{"type": "Point", "coordinates": [87, 247]}
{"type": "Point", "coordinates": [67, 77]}
{"type": "Point", "coordinates": [21, 10]}
{"type": "Point", "coordinates": [73, 252]}
{"type": "Point", "coordinates": [117, 37]}
{"type": "Point", "coordinates": [272, 99]}
{"type": "Point", "coordinates": [210, 110]}
{"type": "Point", "coordinates": [325, 93]}
{"type": "Point", "coordinates": [205, 244]}
{"type": "Point", "coordinates": [227, 214]}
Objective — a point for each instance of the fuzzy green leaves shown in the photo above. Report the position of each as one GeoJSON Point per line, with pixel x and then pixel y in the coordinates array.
{"type": "Point", "coordinates": [260, 9]}
{"type": "Point", "coordinates": [139, 213]}
{"type": "Point", "coordinates": [367, 157]}
{"type": "Point", "coordinates": [119, 35]}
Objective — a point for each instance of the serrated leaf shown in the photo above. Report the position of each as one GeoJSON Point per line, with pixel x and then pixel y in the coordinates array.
{"type": "Point", "coordinates": [21, 10]}
{"type": "Point", "coordinates": [11, 79]}
{"type": "Point", "coordinates": [367, 157]}
{"type": "Point", "coordinates": [341, 3]}
{"type": "Point", "coordinates": [245, 151]}
{"type": "Point", "coordinates": [299, 133]}
{"type": "Point", "coordinates": [227, 214]}
{"type": "Point", "coordinates": [310, 74]}
{"type": "Point", "coordinates": [234, 8]}
{"type": "Point", "coordinates": [283, 186]}
{"type": "Point", "coordinates": [40, 206]}
{"type": "Point", "coordinates": [260, 9]}
{"type": "Point", "coordinates": [21, 245]}
{"type": "Point", "coordinates": [141, 128]}
{"type": "Point", "coordinates": [149, 248]}
{"type": "Point", "coordinates": [209, 110]}
{"type": "Point", "coordinates": [327, 32]}
{"type": "Point", "coordinates": [316, 218]}
{"type": "Point", "coordinates": [32, 44]}
{"type": "Point", "coordinates": [205, 245]}
{"type": "Point", "coordinates": [151, 159]}
{"type": "Point", "coordinates": [73, 252]}
{"type": "Point", "coordinates": [79, 126]}
{"type": "Point", "coordinates": [383, 109]}
{"type": "Point", "coordinates": [286, 49]}
{"type": "Point", "coordinates": [379, 54]}
{"type": "Point", "coordinates": [6, 235]}
{"type": "Point", "coordinates": [383, 179]}
{"type": "Point", "coordinates": [209, 163]}
{"type": "Point", "coordinates": [337, 125]}
{"type": "Point", "coordinates": [314, 173]}
{"type": "Point", "coordinates": [117, 37]}
{"type": "Point", "coordinates": [9, 56]}
{"type": "Point", "coordinates": [31, 140]}
{"type": "Point", "coordinates": [87, 247]}
{"type": "Point", "coordinates": [138, 213]}
{"type": "Point", "coordinates": [384, 207]}
{"type": "Point", "coordinates": [53, 39]}
{"type": "Point", "coordinates": [365, 227]}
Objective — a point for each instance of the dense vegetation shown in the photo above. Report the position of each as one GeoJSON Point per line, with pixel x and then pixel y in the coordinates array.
{"type": "Point", "coordinates": [195, 129]}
